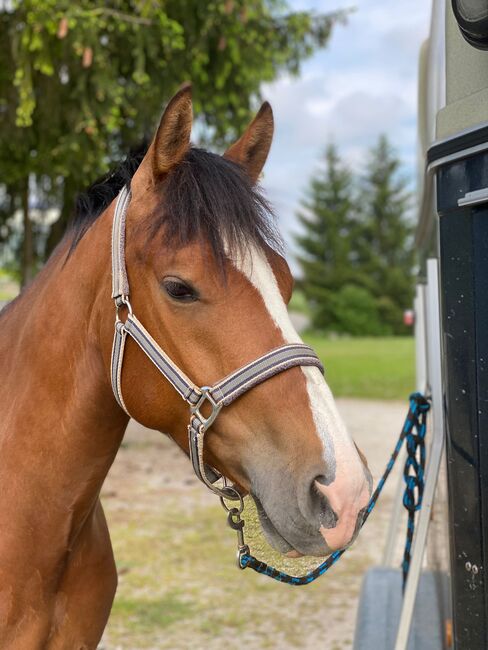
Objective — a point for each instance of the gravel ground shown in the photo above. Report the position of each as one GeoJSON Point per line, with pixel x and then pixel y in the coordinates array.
{"type": "Point", "coordinates": [151, 479]}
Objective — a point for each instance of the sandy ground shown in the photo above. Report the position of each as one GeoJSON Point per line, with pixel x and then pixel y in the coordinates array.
{"type": "Point", "coordinates": [151, 475]}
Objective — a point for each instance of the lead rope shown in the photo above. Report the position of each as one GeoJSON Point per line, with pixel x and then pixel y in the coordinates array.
{"type": "Point", "coordinates": [413, 475]}
{"type": "Point", "coordinates": [413, 432]}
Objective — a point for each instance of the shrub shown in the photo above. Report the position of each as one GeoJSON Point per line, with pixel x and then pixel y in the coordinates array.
{"type": "Point", "coordinates": [356, 312]}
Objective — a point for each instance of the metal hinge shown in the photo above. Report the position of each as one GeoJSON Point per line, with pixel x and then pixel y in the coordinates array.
{"type": "Point", "coordinates": [474, 198]}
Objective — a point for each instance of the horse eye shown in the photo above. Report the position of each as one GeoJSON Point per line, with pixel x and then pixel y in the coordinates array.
{"type": "Point", "coordinates": [179, 290]}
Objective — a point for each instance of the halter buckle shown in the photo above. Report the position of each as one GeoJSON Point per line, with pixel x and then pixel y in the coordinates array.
{"type": "Point", "coordinates": [122, 301]}
{"type": "Point", "coordinates": [206, 422]}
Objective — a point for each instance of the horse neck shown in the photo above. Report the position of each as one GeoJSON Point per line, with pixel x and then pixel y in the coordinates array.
{"type": "Point", "coordinates": [60, 420]}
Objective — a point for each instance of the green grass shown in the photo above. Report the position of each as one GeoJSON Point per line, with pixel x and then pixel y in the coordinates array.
{"type": "Point", "coordinates": [179, 587]}
{"type": "Point", "coordinates": [142, 615]}
{"type": "Point", "coordinates": [375, 368]}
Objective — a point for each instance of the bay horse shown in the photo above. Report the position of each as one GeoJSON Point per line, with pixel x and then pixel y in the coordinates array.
{"type": "Point", "coordinates": [210, 284]}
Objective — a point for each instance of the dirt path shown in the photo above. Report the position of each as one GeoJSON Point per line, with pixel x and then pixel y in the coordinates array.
{"type": "Point", "coordinates": [178, 585]}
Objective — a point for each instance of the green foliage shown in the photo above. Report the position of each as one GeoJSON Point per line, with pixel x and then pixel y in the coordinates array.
{"type": "Point", "coordinates": [328, 226]}
{"type": "Point", "coordinates": [8, 286]}
{"type": "Point", "coordinates": [356, 312]}
{"type": "Point", "coordinates": [298, 303]}
{"type": "Point", "coordinates": [81, 83]}
{"type": "Point", "coordinates": [385, 248]}
{"type": "Point", "coordinates": [356, 252]}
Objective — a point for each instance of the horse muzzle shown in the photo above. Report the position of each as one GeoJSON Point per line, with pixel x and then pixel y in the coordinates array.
{"type": "Point", "coordinates": [317, 520]}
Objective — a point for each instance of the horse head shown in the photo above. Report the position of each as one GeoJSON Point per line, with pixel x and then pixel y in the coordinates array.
{"type": "Point", "coordinates": [210, 284]}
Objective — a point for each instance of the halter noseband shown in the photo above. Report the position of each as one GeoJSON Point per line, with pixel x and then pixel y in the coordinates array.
{"type": "Point", "coordinates": [223, 393]}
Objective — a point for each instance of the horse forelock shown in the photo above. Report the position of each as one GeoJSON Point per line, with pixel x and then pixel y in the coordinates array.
{"type": "Point", "coordinates": [205, 197]}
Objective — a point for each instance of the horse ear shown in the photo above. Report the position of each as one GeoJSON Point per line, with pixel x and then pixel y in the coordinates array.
{"type": "Point", "coordinates": [252, 148]}
{"type": "Point", "coordinates": [172, 139]}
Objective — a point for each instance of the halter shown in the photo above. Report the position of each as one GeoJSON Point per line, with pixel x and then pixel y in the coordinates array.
{"type": "Point", "coordinates": [223, 393]}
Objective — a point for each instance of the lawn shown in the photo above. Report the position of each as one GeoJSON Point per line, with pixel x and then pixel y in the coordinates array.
{"type": "Point", "coordinates": [376, 368]}
{"type": "Point", "coordinates": [179, 587]}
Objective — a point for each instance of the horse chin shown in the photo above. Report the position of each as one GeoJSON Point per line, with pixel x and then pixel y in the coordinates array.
{"type": "Point", "coordinates": [273, 537]}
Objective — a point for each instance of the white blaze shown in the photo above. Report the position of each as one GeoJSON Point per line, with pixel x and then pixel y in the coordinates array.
{"type": "Point", "coordinates": [336, 441]}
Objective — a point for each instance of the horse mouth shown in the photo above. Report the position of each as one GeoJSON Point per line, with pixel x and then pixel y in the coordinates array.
{"type": "Point", "coordinates": [277, 541]}
{"type": "Point", "coordinates": [311, 545]}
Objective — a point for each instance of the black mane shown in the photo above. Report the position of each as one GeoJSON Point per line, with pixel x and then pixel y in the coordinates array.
{"type": "Point", "coordinates": [205, 197]}
{"type": "Point", "coordinates": [90, 204]}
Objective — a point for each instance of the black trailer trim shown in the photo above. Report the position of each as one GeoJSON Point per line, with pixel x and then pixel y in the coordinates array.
{"type": "Point", "coordinates": [459, 144]}
{"type": "Point", "coordinates": [463, 239]}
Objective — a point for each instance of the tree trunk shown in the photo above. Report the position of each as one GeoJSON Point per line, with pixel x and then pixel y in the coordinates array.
{"type": "Point", "coordinates": [27, 270]}
{"type": "Point", "coordinates": [59, 227]}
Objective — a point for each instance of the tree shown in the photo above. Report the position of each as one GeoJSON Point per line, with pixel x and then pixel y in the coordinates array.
{"type": "Point", "coordinates": [329, 223]}
{"type": "Point", "coordinates": [81, 83]}
{"type": "Point", "coordinates": [385, 247]}
{"type": "Point", "coordinates": [356, 252]}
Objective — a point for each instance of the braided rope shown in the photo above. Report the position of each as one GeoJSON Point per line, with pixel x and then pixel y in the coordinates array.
{"type": "Point", "coordinates": [414, 432]}
{"type": "Point", "coordinates": [413, 475]}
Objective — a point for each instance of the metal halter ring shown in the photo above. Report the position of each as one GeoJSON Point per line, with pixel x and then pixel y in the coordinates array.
{"type": "Point", "coordinates": [122, 301]}
{"type": "Point", "coordinates": [235, 510]}
{"type": "Point", "coordinates": [206, 397]}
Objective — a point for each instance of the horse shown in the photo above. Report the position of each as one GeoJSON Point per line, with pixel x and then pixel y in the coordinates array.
{"type": "Point", "coordinates": [207, 277]}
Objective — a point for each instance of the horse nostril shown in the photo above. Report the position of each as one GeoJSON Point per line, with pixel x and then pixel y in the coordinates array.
{"type": "Point", "coordinates": [323, 480]}
{"type": "Point", "coordinates": [328, 518]}
{"type": "Point", "coordinates": [320, 504]}
{"type": "Point", "coordinates": [344, 512]}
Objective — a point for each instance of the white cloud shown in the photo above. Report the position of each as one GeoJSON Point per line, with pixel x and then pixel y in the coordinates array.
{"type": "Point", "coordinates": [363, 84]}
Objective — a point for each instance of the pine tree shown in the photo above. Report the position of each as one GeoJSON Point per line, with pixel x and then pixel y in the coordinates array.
{"type": "Point", "coordinates": [327, 218]}
{"type": "Point", "coordinates": [356, 251]}
{"type": "Point", "coordinates": [384, 247]}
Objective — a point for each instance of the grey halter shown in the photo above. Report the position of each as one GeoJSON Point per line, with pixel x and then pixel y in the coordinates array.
{"type": "Point", "coordinates": [223, 393]}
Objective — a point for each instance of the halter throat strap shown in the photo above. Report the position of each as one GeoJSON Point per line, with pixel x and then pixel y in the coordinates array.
{"type": "Point", "coordinates": [220, 394]}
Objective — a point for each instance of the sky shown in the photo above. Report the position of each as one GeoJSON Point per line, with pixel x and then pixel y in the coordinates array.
{"type": "Point", "coordinates": [363, 84]}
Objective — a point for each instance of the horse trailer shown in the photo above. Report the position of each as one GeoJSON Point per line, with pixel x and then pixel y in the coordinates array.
{"type": "Point", "coordinates": [445, 601]}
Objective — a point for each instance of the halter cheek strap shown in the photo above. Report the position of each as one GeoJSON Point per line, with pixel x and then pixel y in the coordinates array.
{"type": "Point", "coordinates": [223, 393]}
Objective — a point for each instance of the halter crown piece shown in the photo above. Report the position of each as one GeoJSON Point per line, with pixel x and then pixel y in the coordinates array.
{"type": "Point", "coordinates": [223, 393]}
